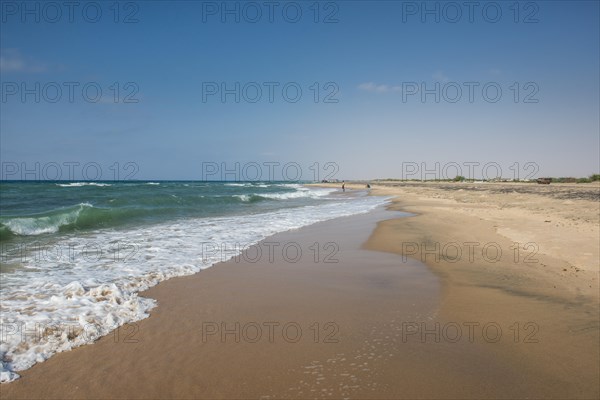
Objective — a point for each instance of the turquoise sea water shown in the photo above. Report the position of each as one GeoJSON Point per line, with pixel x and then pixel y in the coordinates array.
{"type": "Point", "coordinates": [36, 208]}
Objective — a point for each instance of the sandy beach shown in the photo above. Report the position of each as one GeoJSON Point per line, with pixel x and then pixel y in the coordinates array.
{"type": "Point", "coordinates": [374, 200]}
{"type": "Point", "coordinates": [392, 305]}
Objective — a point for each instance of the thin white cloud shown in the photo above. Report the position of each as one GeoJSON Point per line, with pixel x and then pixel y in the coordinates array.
{"type": "Point", "coordinates": [11, 64]}
{"type": "Point", "coordinates": [440, 77]}
{"type": "Point", "coordinates": [11, 60]}
{"type": "Point", "coordinates": [373, 87]}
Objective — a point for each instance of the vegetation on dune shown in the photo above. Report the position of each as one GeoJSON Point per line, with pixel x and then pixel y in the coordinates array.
{"type": "Point", "coordinates": [460, 178]}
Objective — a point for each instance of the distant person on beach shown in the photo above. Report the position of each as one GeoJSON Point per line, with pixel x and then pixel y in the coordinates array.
{"type": "Point", "coordinates": [343, 186]}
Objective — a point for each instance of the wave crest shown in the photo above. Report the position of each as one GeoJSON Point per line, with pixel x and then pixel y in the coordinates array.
{"type": "Point", "coordinates": [43, 223]}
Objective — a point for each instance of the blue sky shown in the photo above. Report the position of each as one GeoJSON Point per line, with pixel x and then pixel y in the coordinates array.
{"type": "Point", "coordinates": [373, 59]}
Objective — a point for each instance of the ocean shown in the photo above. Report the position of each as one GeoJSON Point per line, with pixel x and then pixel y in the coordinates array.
{"type": "Point", "coordinates": [75, 255]}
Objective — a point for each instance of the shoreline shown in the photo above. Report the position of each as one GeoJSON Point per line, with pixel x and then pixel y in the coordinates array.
{"type": "Point", "coordinates": [82, 298]}
{"type": "Point", "coordinates": [383, 303]}
{"type": "Point", "coordinates": [336, 300]}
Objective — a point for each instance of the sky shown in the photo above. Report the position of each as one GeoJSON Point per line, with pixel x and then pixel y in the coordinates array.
{"type": "Point", "coordinates": [197, 90]}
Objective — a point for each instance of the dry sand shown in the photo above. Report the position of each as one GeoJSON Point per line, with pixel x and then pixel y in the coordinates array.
{"type": "Point", "coordinates": [372, 308]}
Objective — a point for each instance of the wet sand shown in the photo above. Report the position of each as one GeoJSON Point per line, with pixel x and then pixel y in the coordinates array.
{"type": "Point", "coordinates": [374, 324]}
{"type": "Point", "coordinates": [338, 298]}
